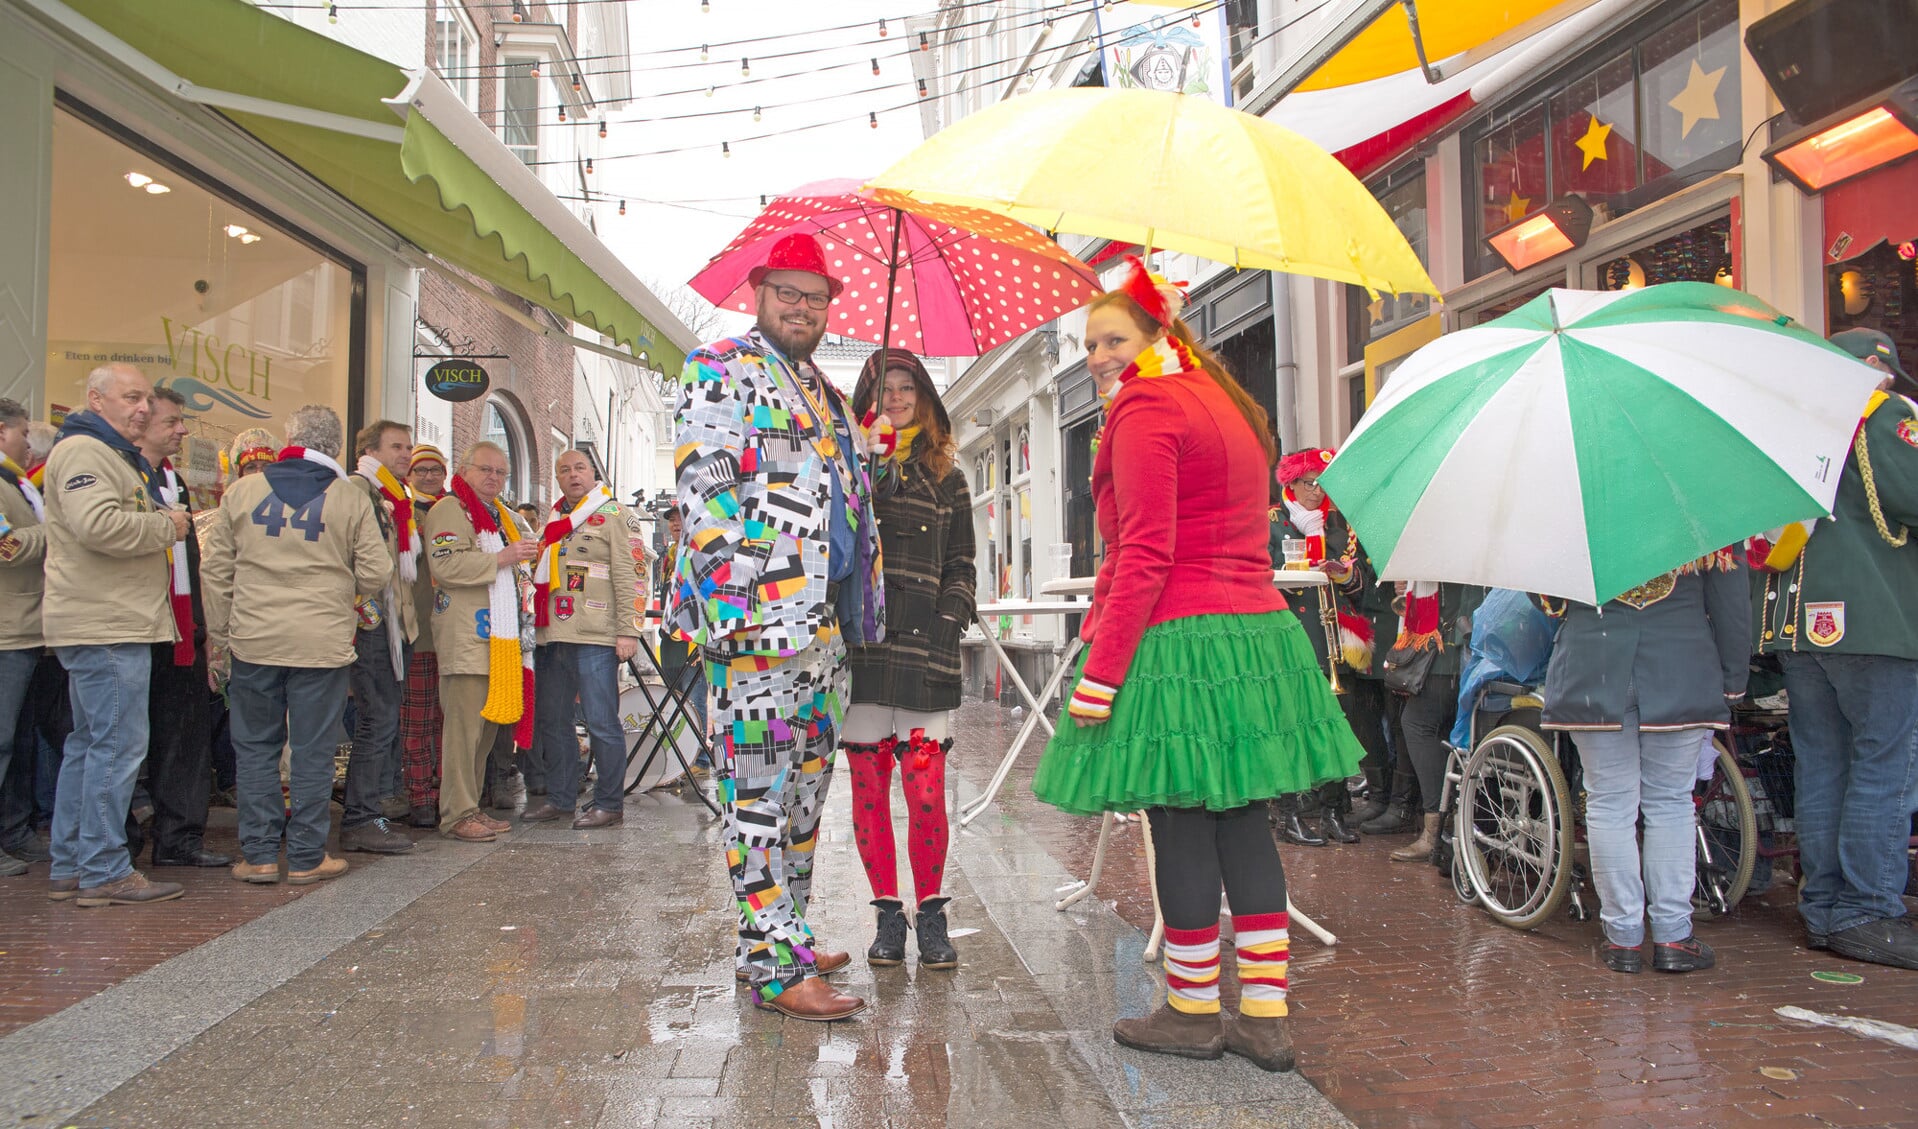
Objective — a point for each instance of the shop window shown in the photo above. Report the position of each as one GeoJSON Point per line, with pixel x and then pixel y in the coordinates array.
{"type": "Point", "coordinates": [1877, 290]}
{"type": "Point", "coordinates": [1699, 254]}
{"type": "Point", "coordinates": [1367, 318]}
{"type": "Point", "coordinates": [1623, 127]}
{"type": "Point", "coordinates": [503, 427]}
{"type": "Point", "coordinates": [519, 101]}
{"type": "Point", "coordinates": [458, 52]}
{"type": "Point", "coordinates": [234, 311]}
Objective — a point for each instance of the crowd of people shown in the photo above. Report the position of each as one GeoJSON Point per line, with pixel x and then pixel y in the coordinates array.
{"type": "Point", "coordinates": [153, 657]}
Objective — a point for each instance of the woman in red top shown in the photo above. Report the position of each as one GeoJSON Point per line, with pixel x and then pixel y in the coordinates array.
{"type": "Point", "coordinates": [1198, 700]}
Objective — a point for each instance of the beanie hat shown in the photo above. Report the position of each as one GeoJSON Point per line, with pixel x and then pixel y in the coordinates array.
{"type": "Point", "coordinates": [426, 453]}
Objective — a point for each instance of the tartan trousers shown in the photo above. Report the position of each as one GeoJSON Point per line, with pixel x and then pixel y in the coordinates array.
{"type": "Point", "coordinates": [420, 725]}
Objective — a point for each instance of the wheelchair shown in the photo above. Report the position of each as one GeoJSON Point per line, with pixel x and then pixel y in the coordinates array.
{"type": "Point", "coordinates": [1513, 828]}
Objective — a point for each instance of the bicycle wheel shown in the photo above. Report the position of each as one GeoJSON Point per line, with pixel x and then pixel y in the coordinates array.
{"type": "Point", "coordinates": [1514, 829]}
{"type": "Point", "coordinates": [1727, 836]}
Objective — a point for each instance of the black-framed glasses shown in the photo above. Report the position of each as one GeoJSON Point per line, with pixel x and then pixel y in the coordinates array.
{"type": "Point", "coordinates": [791, 295]}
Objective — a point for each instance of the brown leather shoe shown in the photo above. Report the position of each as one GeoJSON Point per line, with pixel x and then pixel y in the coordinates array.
{"type": "Point", "coordinates": [824, 963]}
{"type": "Point", "coordinates": [541, 813]}
{"type": "Point", "coordinates": [496, 826]}
{"type": "Point", "coordinates": [1170, 1031]}
{"type": "Point", "coordinates": [329, 867]}
{"type": "Point", "coordinates": [470, 830]}
{"type": "Point", "coordinates": [589, 820]}
{"type": "Point", "coordinates": [133, 890]}
{"type": "Point", "coordinates": [263, 874]}
{"type": "Point", "coordinates": [1261, 1041]}
{"type": "Point", "coordinates": [813, 1000]}
{"type": "Point", "coordinates": [62, 889]}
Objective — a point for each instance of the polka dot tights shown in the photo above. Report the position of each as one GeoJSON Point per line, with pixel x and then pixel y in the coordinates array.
{"type": "Point", "coordinates": [922, 777]}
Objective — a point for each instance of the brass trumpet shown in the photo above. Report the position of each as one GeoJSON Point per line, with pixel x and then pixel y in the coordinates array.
{"type": "Point", "coordinates": [1329, 619]}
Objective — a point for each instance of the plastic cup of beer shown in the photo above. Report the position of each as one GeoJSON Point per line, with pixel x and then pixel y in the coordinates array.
{"type": "Point", "coordinates": [1294, 550]}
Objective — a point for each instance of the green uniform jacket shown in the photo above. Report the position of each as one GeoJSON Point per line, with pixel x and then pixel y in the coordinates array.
{"type": "Point", "coordinates": [1851, 592]}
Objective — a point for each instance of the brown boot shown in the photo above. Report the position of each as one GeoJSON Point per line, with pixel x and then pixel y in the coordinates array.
{"type": "Point", "coordinates": [329, 867]}
{"type": "Point", "coordinates": [814, 1000]}
{"type": "Point", "coordinates": [496, 826]}
{"type": "Point", "coordinates": [542, 812]}
{"type": "Point", "coordinates": [1421, 848]}
{"type": "Point", "coordinates": [1170, 1031]}
{"type": "Point", "coordinates": [1261, 1040]}
{"type": "Point", "coordinates": [470, 830]}
{"type": "Point", "coordinates": [133, 890]}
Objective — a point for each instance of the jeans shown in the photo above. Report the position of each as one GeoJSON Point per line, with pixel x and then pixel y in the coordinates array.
{"type": "Point", "coordinates": [49, 721]}
{"type": "Point", "coordinates": [17, 753]}
{"type": "Point", "coordinates": [1626, 773]}
{"type": "Point", "coordinates": [109, 687]}
{"type": "Point", "coordinates": [372, 771]}
{"type": "Point", "coordinates": [563, 672]}
{"type": "Point", "coordinates": [269, 704]}
{"type": "Point", "coordinates": [1854, 723]}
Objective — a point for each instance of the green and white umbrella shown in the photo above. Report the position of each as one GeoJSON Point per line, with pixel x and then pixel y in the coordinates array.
{"type": "Point", "coordinates": [1589, 441]}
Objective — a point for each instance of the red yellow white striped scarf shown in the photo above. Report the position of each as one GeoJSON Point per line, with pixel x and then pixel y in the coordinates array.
{"type": "Point", "coordinates": [406, 530]}
{"type": "Point", "coordinates": [179, 579]}
{"type": "Point", "coordinates": [558, 530]}
{"type": "Point", "coordinates": [509, 676]}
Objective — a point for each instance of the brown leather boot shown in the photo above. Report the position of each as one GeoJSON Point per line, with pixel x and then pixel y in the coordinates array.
{"type": "Point", "coordinates": [827, 963]}
{"type": "Point", "coordinates": [813, 1000]}
{"type": "Point", "coordinates": [1421, 848]}
{"type": "Point", "coordinates": [1261, 1041]}
{"type": "Point", "coordinates": [542, 812]}
{"type": "Point", "coordinates": [1170, 1031]}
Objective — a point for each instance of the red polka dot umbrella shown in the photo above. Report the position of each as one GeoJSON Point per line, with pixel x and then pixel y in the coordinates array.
{"type": "Point", "coordinates": [950, 281]}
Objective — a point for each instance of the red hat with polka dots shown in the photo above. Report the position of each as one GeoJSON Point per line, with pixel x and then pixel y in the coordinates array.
{"type": "Point", "coordinates": [799, 251]}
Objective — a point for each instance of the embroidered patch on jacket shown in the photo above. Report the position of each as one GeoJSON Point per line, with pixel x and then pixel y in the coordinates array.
{"type": "Point", "coordinates": [445, 539]}
{"type": "Point", "coordinates": [79, 482]}
{"type": "Point", "coordinates": [575, 578]}
{"type": "Point", "coordinates": [1650, 592]}
{"type": "Point", "coordinates": [1825, 622]}
{"type": "Point", "coordinates": [441, 601]}
{"type": "Point", "coordinates": [562, 607]}
{"type": "Point", "coordinates": [595, 605]}
{"type": "Point", "coordinates": [1908, 431]}
{"type": "Point", "coordinates": [9, 547]}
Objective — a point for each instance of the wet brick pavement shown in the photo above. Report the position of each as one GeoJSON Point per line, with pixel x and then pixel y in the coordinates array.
{"type": "Point", "coordinates": [1428, 1013]}
{"type": "Point", "coordinates": [562, 978]}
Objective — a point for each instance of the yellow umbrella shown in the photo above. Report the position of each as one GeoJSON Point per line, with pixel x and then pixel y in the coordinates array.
{"type": "Point", "coordinates": [1169, 171]}
{"type": "Point", "coordinates": [1392, 43]}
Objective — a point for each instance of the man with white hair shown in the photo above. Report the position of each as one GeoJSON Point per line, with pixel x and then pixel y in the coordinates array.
{"type": "Point", "coordinates": [589, 603]}
{"type": "Point", "coordinates": [475, 550]}
{"type": "Point", "coordinates": [292, 549]}
{"type": "Point", "coordinates": [106, 603]}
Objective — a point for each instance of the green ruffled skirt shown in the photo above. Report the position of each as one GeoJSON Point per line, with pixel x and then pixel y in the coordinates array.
{"type": "Point", "coordinates": [1217, 711]}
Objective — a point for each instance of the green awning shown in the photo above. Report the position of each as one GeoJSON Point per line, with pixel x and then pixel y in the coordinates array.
{"type": "Point", "coordinates": [409, 176]}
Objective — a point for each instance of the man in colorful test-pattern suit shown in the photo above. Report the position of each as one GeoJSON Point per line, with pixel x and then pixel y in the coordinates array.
{"type": "Point", "coordinates": [777, 571]}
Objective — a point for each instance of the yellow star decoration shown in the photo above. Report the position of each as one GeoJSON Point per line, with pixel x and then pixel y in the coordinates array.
{"type": "Point", "coordinates": [1377, 309]}
{"type": "Point", "coordinates": [1593, 143]}
{"type": "Point", "coordinates": [1517, 207]}
{"type": "Point", "coordinates": [1699, 100]}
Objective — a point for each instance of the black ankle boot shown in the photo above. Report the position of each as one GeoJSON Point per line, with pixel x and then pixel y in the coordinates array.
{"type": "Point", "coordinates": [1332, 822]}
{"type": "Point", "coordinates": [889, 947]}
{"type": "Point", "coordinates": [935, 948]}
{"type": "Point", "coordinates": [1292, 829]}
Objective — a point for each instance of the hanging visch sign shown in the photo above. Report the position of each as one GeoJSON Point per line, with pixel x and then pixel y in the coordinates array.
{"type": "Point", "coordinates": [457, 380]}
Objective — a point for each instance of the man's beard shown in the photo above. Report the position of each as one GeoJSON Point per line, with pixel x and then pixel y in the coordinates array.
{"type": "Point", "coordinates": [796, 344]}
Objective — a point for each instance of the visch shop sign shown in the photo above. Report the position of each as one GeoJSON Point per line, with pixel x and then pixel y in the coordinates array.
{"type": "Point", "coordinates": [457, 380]}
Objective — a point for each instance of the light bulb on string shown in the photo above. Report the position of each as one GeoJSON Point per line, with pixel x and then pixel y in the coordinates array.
{"type": "Point", "coordinates": [725, 149]}
{"type": "Point", "coordinates": [755, 113]}
{"type": "Point", "coordinates": [589, 166]}
{"type": "Point", "coordinates": [872, 119]}
{"type": "Point", "coordinates": [578, 83]}
{"type": "Point", "coordinates": [622, 207]}
{"type": "Point", "coordinates": [762, 199]}
{"type": "Point", "coordinates": [705, 5]}
{"type": "Point", "coordinates": [562, 112]}
{"type": "Point", "coordinates": [602, 129]}
{"type": "Point", "coordinates": [709, 91]}
{"type": "Point", "coordinates": [519, 12]}
{"type": "Point", "coordinates": [875, 66]}
{"type": "Point", "coordinates": [924, 43]}
{"type": "Point", "coordinates": [882, 27]}
{"type": "Point", "coordinates": [922, 88]}
{"type": "Point", "coordinates": [332, 13]}
{"type": "Point", "coordinates": [745, 68]}
{"type": "Point", "coordinates": [704, 51]}
{"type": "Point", "coordinates": [1195, 19]}
{"type": "Point", "coordinates": [534, 69]}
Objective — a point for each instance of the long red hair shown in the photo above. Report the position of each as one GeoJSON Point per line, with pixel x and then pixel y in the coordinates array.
{"type": "Point", "coordinates": [1255, 416]}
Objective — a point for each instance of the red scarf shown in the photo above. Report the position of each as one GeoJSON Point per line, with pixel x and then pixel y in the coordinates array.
{"type": "Point", "coordinates": [556, 531]}
{"type": "Point", "coordinates": [1314, 542]}
{"type": "Point", "coordinates": [179, 580]}
{"type": "Point", "coordinates": [1419, 626]}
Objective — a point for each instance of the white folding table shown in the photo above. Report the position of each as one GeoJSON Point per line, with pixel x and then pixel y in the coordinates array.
{"type": "Point", "coordinates": [1037, 718]}
{"type": "Point", "coordinates": [1295, 579]}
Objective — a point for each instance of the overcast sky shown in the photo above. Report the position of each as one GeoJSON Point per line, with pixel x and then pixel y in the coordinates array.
{"type": "Point", "coordinates": [670, 244]}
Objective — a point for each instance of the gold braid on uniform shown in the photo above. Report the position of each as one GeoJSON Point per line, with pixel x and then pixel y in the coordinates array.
{"type": "Point", "coordinates": [1871, 496]}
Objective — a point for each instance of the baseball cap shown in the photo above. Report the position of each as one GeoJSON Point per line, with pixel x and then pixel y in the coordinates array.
{"type": "Point", "coordinates": [1864, 343]}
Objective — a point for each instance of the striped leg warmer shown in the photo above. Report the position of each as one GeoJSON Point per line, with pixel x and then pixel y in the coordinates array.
{"type": "Point", "coordinates": [1192, 969]}
{"type": "Point", "coordinates": [1263, 952]}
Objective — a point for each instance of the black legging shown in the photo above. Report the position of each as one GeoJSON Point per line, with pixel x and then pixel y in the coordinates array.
{"type": "Point", "coordinates": [1425, 722]}
{"type": "Point", "coordinates": [1199, 850]}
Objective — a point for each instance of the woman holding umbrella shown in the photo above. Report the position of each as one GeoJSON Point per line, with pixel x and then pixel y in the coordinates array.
{"type": "Point", "coordinates": [905, 688]}
{"type": "Point", "coordinates": [1198, 698]}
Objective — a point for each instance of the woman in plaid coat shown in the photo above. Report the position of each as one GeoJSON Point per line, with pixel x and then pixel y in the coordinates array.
{"type": "Point", "coordinates": [904, 689]}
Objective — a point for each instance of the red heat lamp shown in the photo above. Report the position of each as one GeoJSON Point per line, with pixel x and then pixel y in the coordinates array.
{"type": "Point", "coordinates": [1861, 138]}
{"type": "Point", "coordinates": [1561, 226]}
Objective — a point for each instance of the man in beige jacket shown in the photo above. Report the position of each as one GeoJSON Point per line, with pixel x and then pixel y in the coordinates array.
{"type": "Point", "coordinates": [590, 605]}
{"type": "Point", "coordinates": [23, 551]}
{"type": "Point", "coordinates": [106, 603]}
{"type": "Point", "coordinates": [281, 570]}
{"type": "Point", "coordinates": [474, 550]}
